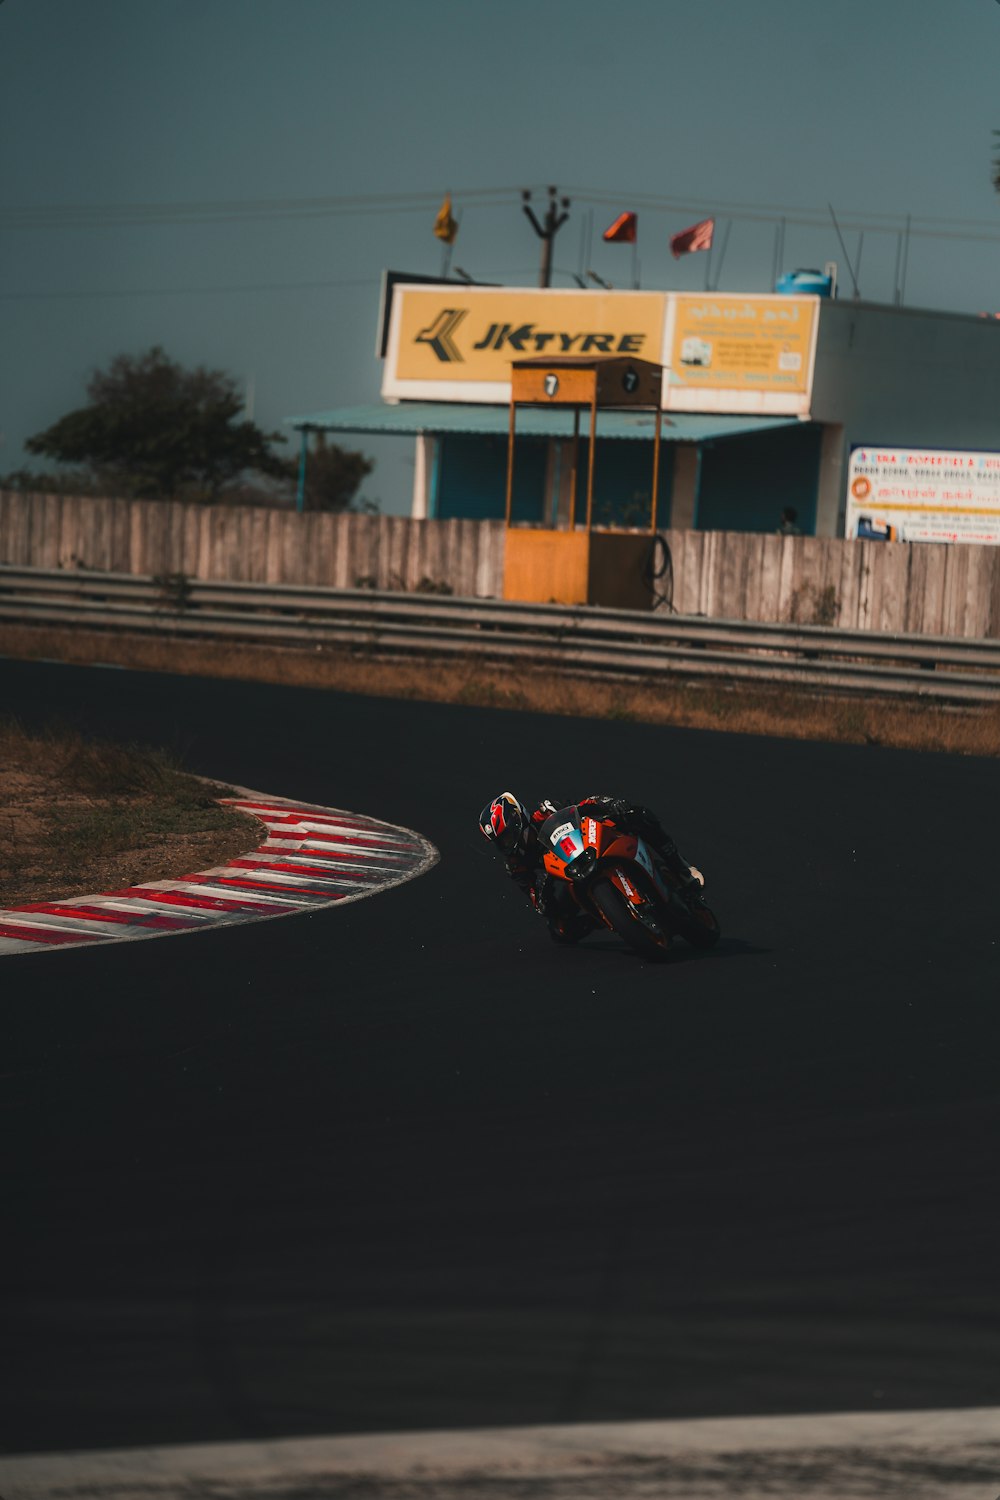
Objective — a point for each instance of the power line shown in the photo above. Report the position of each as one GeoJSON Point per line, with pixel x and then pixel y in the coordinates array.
{"type": "Point", "coordinates": [260, 286]}
{"type": "Point", "coordinates": [721, 206]}
{"type": "Point", "coordinates": [104, 215]}
{"type": "Point", "coordinates": [124, 215]}
{"type": "Point", "coordinates": [770, 213]}
{"type": "Point", "coordinates": [185, 291]}
{"type": "Point", "coordinates": [108, 215]}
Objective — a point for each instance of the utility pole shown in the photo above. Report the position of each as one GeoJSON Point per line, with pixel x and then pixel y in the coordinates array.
{"type": "Point", "coordinates": [556, 214]}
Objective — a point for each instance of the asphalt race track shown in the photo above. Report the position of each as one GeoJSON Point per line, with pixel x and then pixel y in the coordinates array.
{"type": "Point", "coordinates": [409, 1165]}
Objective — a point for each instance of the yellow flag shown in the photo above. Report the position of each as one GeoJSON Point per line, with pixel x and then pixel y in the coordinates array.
{"type": "Point", "coordinates": [445, 227]}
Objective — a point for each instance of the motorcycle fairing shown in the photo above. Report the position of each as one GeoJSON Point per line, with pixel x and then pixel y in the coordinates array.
{"type": "Point", "coordinates": [582, 852]}
{"type": "Point", "coordinates": [562, 838]}
{"type": "Point", "coordinates": [565, 835]}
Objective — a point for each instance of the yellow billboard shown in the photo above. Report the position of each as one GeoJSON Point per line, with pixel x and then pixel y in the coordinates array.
{"type": "Point", "coordinates": [466, 337]}
{"type": "Point", "coordinates": [742, 343]}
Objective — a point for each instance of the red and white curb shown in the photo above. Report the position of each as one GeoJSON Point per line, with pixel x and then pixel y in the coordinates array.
{"type": "Point", "coordinates": [312, 857]}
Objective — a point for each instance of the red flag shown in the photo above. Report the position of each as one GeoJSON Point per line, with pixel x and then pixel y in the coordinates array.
{"type": "Point", "coordinates": [698, 237]}
{"type": "Point", "coordinates": [623, 231]}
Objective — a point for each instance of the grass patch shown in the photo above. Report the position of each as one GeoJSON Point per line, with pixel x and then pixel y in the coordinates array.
{"type": "Point", "coordinates": [81, 815]}
{"type": "Point", "coordinates": [747, 709]}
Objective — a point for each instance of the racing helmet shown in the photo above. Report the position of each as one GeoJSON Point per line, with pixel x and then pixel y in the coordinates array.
{"type": "Point", "coordinates": [504, 821]}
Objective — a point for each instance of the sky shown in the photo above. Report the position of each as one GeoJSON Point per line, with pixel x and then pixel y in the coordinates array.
{"type": "Point", "coordinates": [229, 178]}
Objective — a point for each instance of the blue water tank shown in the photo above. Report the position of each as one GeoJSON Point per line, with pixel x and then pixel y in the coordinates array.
{"type": "Point", "coordinates": [795, 283]}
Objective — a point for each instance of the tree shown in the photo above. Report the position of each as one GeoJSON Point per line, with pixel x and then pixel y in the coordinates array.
{"type": "Point", "coordinates": [333, 475]}
{"type": "Point", "coordinates": [157, 431]}
{"type": "Point", "coordinates": [31, 482]}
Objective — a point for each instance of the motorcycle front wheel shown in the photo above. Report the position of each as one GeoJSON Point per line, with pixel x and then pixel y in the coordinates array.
{"type": "Point", "coordinates": [642, 933]}
{"type": "Point", "coordinates": [702, 928]}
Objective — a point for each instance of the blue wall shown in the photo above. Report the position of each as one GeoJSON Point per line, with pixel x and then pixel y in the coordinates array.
{"type": "Point", "coordinates": [472, 479]}
{"type": "Point", "coordinates": [745, 483]}
{"type": "Point", "coordinates": [623, 483]}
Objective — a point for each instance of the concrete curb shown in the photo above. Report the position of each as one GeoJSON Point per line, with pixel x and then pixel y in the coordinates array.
{"type": "Point", "coordinates": [313, 857]}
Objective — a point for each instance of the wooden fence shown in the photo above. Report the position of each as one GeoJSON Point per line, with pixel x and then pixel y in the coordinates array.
{"type": "Point", "coordinates": [251, 544]}
{"type": "Point", "coordinates": [923, 588]}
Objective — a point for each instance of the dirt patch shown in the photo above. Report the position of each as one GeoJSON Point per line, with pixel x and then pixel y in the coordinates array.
{"type": "Point", "coordinates": [80, 816]}
{"type": "Point", "coordinates": [753, 709]}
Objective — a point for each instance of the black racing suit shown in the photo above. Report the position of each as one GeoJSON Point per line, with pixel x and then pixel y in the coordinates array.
{"type": "Point", "coordinates": [567, 923]}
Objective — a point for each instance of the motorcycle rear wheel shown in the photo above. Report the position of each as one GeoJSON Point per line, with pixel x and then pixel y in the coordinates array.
{"type": "Point", "coordinates": [620, 917]}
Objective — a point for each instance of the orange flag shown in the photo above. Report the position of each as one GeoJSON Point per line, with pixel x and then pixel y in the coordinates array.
{"type": "Point", "coordinates": [446, 227]}
{"type": "Point", "coordinates": [624, 230]}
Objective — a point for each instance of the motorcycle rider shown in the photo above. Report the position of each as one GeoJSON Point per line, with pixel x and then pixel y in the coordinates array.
{"type": "Point", "coordinates": [508, 824]}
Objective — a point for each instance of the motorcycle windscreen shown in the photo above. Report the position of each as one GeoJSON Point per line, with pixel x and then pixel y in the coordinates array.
{"type": "Point", "coordinates": [561, 833]}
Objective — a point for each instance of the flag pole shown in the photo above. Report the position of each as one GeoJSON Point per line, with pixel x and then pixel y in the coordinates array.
{"type": "Point", "coordinates": [779, 253]}
{"type": "Point", "coordinates": [722, 254]}
{"type": "Point", "coordinates": [449, 250]}
{"type": "Point", "coordinates": [446, 230]}
{"type": "Point", "coordinates": [840, 237]}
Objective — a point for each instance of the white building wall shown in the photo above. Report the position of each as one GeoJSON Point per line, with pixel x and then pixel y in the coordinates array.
{"type": "Point", "coordinates": [423, 468]}
{"type": "Point", "coordinates": [904, 377]}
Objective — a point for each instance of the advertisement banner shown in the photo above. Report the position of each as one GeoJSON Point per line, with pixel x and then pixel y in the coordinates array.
{"type": "Point", "coordinates": [450, 343]}
{"type": "Point", "coordinates": [760, 344]}
{"type": "Point", "coordinates": [923, 495]}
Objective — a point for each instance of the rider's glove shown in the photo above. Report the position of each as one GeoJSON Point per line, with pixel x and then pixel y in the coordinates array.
{"type": "Point", "coordinates": [611, 807]}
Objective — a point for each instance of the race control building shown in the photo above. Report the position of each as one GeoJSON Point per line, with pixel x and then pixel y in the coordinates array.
{"type": "Point", "coordinates": [768, 401]}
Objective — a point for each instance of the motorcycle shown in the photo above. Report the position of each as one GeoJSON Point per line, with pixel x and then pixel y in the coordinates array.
{"type": "Point", "coordinates": [615, 878]}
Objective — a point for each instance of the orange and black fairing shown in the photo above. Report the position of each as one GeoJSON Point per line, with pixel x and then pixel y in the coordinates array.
{"type": "Point", "coordinates": [615, 877]}
{"type": "Point", "coordinates": [574, 844]}
{"type": "Point", "coordinates": [596, 834]}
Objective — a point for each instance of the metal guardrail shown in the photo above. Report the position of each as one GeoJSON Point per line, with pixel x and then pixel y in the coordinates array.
{"type": "Point", "coordinates": [585, 640]}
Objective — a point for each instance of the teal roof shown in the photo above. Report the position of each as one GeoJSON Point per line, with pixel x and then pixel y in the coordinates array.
{"type": "Point", "coordinates": [532, 421]}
